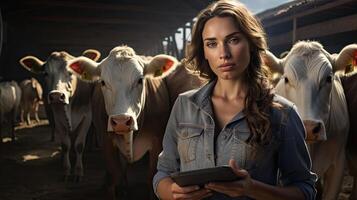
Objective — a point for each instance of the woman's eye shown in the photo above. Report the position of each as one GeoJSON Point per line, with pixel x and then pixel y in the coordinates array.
{"type": "Point", "coordinates": [211, 44]}
{"type": "Point", "coordinates": [233, 40]}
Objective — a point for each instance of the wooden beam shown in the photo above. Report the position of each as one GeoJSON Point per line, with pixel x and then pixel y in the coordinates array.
{"type": "Point", "coordinates": [98, 30]}
{"type": "Point", "coordinates": [47, 31]}
{"type": "Point", "coordinates": [1, 32]}
{"type": "Point", "coordinates": [150, 8]}
{"type": "Point", "coordinates": [277, 20]}
{"type": "Point", "coordinates": [331, 27]}
{"type": "Point", "coordinates": [96, 20]}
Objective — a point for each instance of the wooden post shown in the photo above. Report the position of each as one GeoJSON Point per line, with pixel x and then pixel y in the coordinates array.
{"type": "Point", "coordinates": [294, 31]}
{"type": "Point", "coordinates": [183, 41]}
{"type": "Point", "coordinates": [1, 32]}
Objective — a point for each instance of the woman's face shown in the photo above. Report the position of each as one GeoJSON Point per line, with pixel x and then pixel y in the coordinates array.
{"type": "Point", "coordinates": [225, 48]}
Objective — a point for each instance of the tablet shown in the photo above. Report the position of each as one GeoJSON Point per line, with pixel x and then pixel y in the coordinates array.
{"type": "Point", "coordinates": [203, 176]}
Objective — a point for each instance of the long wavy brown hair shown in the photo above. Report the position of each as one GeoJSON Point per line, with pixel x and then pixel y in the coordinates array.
{"type": "Point", "coordinates": [259, 97]}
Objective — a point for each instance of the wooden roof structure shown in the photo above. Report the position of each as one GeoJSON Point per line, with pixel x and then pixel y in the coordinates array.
{"type": "Point", "coordinates": [331, 22]}
{"type": "Point", "coordinates": [39, 27]}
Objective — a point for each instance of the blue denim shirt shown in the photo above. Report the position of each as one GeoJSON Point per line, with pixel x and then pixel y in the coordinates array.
{"type": "Point", "coordinates": [189, 144]}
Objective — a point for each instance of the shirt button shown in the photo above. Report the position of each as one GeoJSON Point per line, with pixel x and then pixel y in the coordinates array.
{"type": "Point", "coordinates": [224, 137]}
{"type": "Point", "coordinates": [184, 134]}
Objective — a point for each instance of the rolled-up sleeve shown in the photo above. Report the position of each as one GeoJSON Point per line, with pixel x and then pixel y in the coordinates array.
{"type": "Point", "coordinates": [168, 160]}
{"type": "Point", "coordinates": [294, 158]}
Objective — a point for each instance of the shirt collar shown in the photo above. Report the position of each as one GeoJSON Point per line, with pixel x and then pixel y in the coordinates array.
{"type": "Point", "coordinates": [201, 98]}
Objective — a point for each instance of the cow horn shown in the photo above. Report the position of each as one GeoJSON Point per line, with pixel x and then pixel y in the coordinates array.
{"type": "Point", "coordinates": [274, 63]}
{"type": "Point", "coordinates": [344, 58]}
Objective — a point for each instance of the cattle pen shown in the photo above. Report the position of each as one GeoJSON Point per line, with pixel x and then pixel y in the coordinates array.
{"type": "Point", "coordinates": [31, 165]}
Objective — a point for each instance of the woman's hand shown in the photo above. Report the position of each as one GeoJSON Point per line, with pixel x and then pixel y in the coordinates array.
{"type": "Point", "coordinates": [189, 192]}
{"type": "Point", "coordinates": [235, 188]}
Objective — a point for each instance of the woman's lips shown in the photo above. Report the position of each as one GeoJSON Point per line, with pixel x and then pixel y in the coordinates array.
{"type": "Point", "coordinates": [226, 67]}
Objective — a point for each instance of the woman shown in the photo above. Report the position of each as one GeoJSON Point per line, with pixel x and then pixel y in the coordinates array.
{"type": "Point", "coordinates": [234, 119]}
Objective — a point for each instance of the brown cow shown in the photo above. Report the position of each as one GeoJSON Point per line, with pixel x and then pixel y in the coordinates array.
{"type": "Point", "coordinates": [349, 83]}
{"type": "Point", "coordinates": [70, 100]}
{"type": "Point", "coordinates": [30, 99]}
{"type": "Point", "coordinates": [138, 105]}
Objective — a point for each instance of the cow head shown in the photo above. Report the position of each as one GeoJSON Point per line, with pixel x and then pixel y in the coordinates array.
{"type": "Point", "coordinates": [308, 80]}
{"type": "Point", "coordinates": [122, 75]}
{"type": "Point", "coordinates": [60, 83]}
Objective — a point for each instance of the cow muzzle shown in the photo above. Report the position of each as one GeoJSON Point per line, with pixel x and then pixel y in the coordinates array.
{"type": "Point", "coordinates": [121, 124]}
{"type": "Point", "coordinates": [315, 131]}
{"type": "Point", "coordinates": [56, 97]}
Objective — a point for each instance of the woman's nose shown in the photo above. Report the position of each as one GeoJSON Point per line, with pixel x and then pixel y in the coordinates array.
{"type": "Point", "coordinates": [224, 52]}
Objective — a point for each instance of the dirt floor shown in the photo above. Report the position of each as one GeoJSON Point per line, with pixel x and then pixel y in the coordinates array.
{"type": "Point", "coordinates": [30, 169]}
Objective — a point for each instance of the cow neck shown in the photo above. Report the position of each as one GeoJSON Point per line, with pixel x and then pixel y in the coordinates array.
{"type": "Point", "coordinates": [338, 114]}
{"type": "Point", "coordinates": [157, 96]}
{"type": "Point", "coordinates": [82, 93]}
{"type": "Point", "coordinates": [140, 119]}
{"type": "Point", "coordinates": [80, 100]}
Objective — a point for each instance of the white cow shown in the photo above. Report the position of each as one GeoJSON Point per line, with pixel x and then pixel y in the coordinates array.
{"type": "Point", "coordinates": [309, 80]}
{"type": "Point", "coordinates": [10, 95]}
{"type": "Point", "coordinates": [138, 104]}
{"type": "Point", "coordinates": [70, 99]}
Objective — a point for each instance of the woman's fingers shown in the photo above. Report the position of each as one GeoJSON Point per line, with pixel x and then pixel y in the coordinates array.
{"type": "Point", "coordinates": [197, 194]}
{"type": "Point", "coordinates": [233, 189]}
{"type": "Point", "coordinates": [240, 172]}
{"type": "Point", "coordinates": [176, 188]}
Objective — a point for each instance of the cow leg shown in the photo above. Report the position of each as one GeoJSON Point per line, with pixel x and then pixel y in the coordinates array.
{"type": "Point", "coordinates": [35, 110]}
{"type": "Point", "coordinates": [28, 118]}
{"type": "Point", "coordinates": [154, 153]}
{"type": "Point", "coordinates": [12, 123]}
{"type": "Point", "coordinates": [78, 170]}
{"type": "Point", "coordinates": [79, 148]}
{"type": "Point", "coordinates": [333, 178]}
{"type": "Point", "coordinates": [351, 157]}
{"type": "Point", "coordinates": [50, 117]}
{"type": "Point", "coordinates": [22, 116]}
{"type": "Point", "coordinates": [66, 146]}
{"type": "Point", "coordinates": [1, 121]}
{"type": "Point", "coordinates": [353, 195]}
{"type": "Point", "coordinates": [112, 164]}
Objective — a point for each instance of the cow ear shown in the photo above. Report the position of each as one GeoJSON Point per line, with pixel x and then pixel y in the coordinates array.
{"type": "Point", "coordinates": [91, 54]}
{"type": "Point", "coordinates": [160, 64]}
{"type": "Point", "coordinates": [32, 64]}
{"type": "Point", "coordinates": [273, 63]}
{"type": "Point", "coordinates": [347, 58]}
{"type": "Point", "coordinates": [84, 68]}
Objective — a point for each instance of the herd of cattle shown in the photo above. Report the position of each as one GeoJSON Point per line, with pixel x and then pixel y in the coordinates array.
{"type": "Point", "coordinates": [19, 100]}
{"type": "Point", "coordinates": [127, 99]}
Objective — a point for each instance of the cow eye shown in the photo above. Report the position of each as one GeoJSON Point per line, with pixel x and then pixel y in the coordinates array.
{"type": "Point", "coordinates": [102, 83]}
{"type": "Point", "coordinates": [286, 79]}
{"type": "Point", "coordinates": [140, 81]}
{"type": "Point", "coordinates": [329, 79]}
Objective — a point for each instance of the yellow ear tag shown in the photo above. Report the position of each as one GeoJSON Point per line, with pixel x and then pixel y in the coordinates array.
{"type": "Point", "coordinates": [86, 76]}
